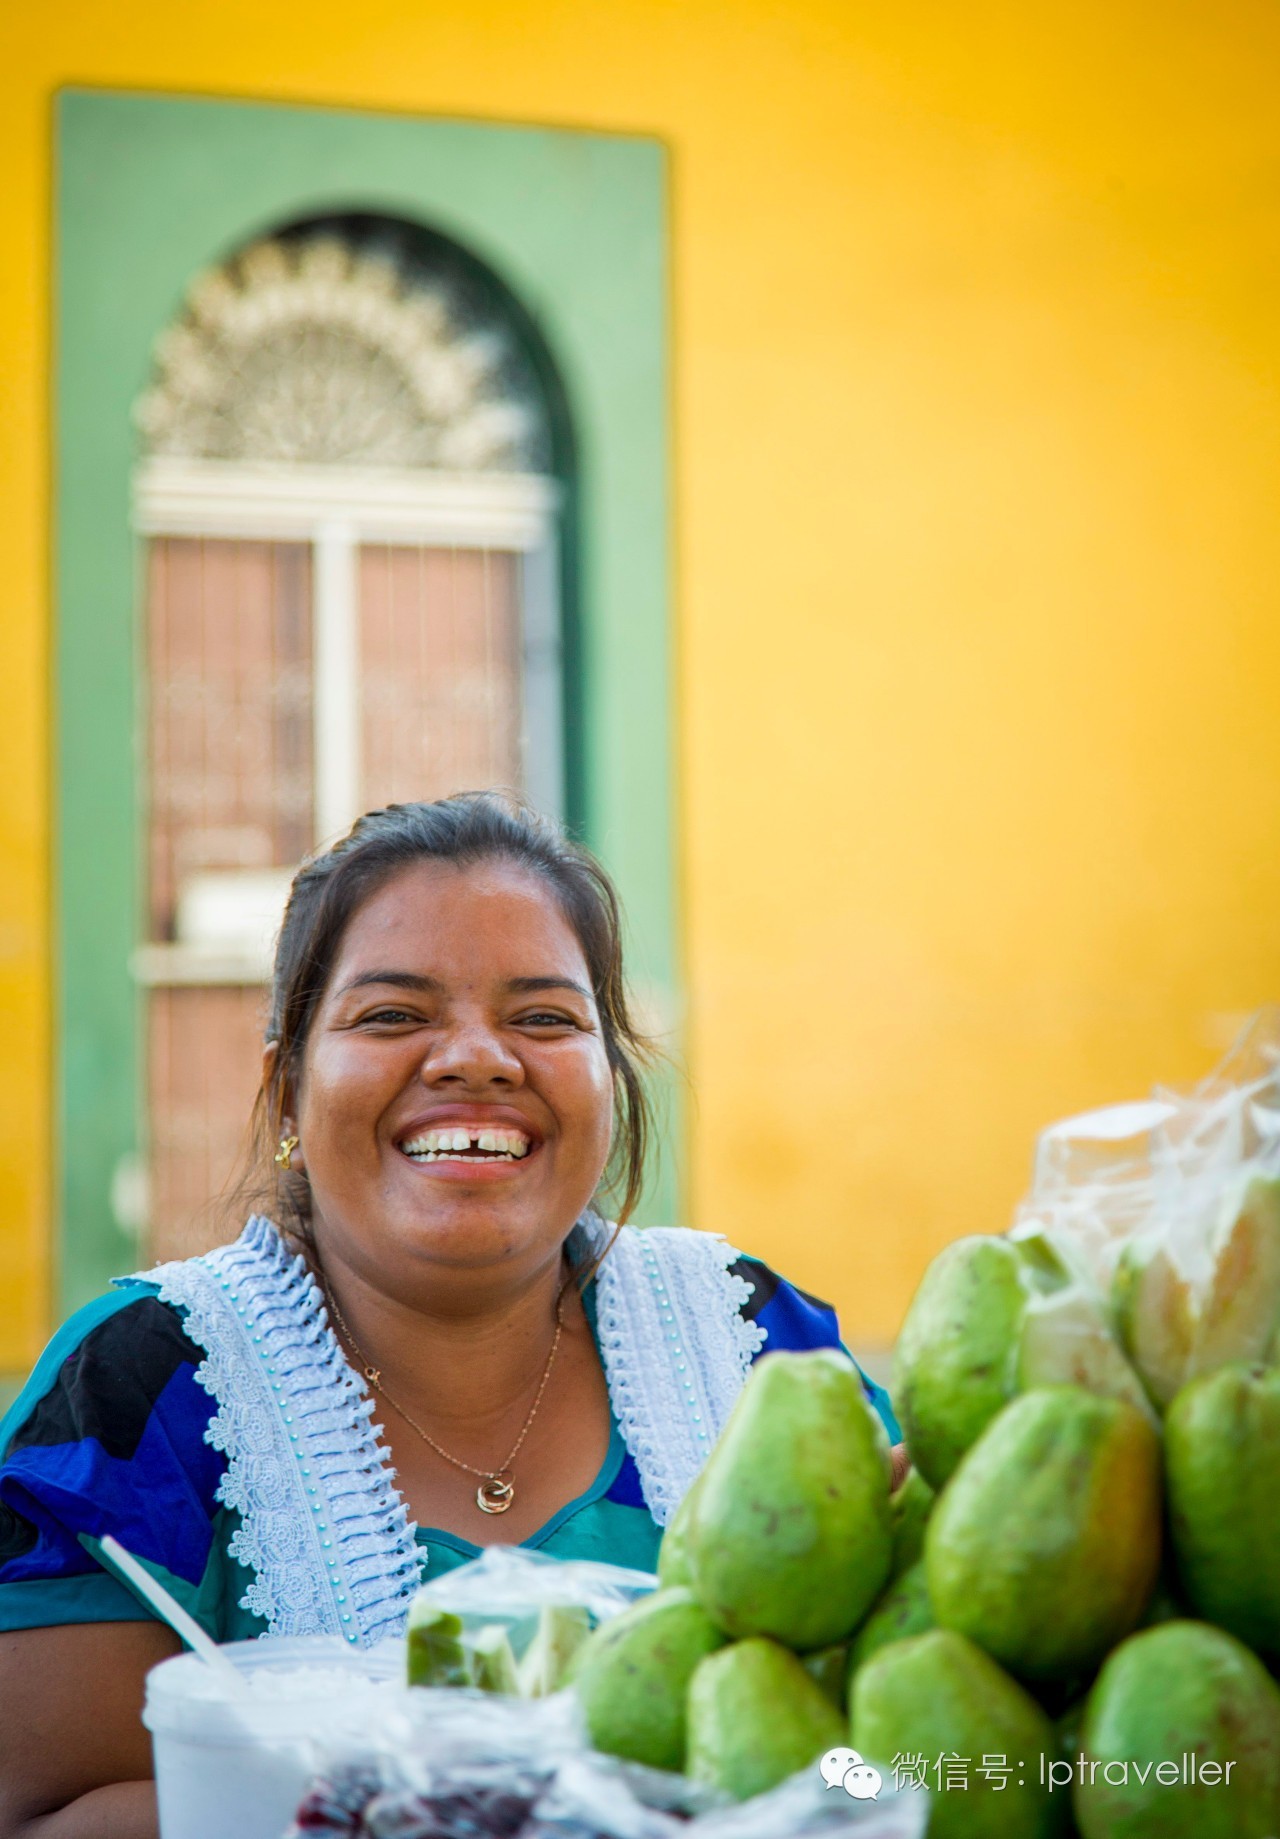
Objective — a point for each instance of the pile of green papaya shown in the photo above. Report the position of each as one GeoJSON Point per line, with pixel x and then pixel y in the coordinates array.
{"type": "Point", "coordinates": [1065, 1622]}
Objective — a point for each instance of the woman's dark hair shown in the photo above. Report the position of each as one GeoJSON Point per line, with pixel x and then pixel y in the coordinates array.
{"type": "Point", "coordinates": [470, 827]}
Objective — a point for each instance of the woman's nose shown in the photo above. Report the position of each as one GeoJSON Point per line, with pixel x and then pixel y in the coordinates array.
{"type": "Point", "coordinates": [472, 1050]}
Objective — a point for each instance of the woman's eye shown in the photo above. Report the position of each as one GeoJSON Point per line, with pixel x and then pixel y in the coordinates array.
{"type": "Point", "coordinates": [391, 1016]}
{"type": "Point", "coordinates": [546, 1018]}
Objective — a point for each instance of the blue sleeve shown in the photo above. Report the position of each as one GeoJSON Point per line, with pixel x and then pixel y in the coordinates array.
{"type": "Point", "coordinates": [107, 1436]}
{"type": "Point", "coordinates": [794, 1321]}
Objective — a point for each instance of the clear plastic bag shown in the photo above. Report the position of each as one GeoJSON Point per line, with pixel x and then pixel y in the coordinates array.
{"type": "Point", "coordinates": [461, 1765]}
{"type": "Point", "coordinates": [1169, 1211]}
{"type": "Point", "coordinates": [510, 1586]}
{"type": "Point", "coordinates": [469, 1753]}
{"type": "Point", "coordinates": [805, 1808]}
{"type": "Point", "coordinates": [511, 1620]}
{"type": "Point", "coordinates": [589, 1800]}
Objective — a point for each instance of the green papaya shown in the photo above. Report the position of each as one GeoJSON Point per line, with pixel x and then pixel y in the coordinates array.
{"type": "Point", "coordinates": [937, 1696]}
{"type": "Point", "coordinates": [1045, 1546]}
{"type": "Point", "coordinates": [955, 1362]}
{"type": "Point", "coordinates": [901, 1611]}
{"type": "Point", "coordinates": [909, 1510]}
{"type": "Point", "coordinates": [1181, 1740]}
{"type": "Point", "coordinates": [632, 1677]}
{"type": "Point", "coordinates": [790, 1534]}
{"type": "Point", "coordinates": [673, 1553]}
{"type": "Point", "coordinates": [755, 1717]}
{"type": "Point", "coordinates": [1175, 1330]}
{"type": "Point", "coordinates": [993, 1318]}
{"type": "Point", "coordinates": [1222, 1466]}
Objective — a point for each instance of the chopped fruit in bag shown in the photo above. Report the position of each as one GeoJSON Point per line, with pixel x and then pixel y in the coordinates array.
{"type": "Point", "coordinates": [1177, 1325]}
{"type": "Point", "coordinates": [562, 1629]}
{"type": "Point", "coordinates": [493, 1665]}
{"type": "Point", "coordinates": [434, 1648]}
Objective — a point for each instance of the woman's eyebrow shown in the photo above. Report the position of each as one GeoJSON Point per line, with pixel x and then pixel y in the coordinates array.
{"type": "Point", "coordinates": [527, 984]}
{"type": "Point", "coordinates": [400, 980]}
{"type": "Point", "coordinates": [432, 986]}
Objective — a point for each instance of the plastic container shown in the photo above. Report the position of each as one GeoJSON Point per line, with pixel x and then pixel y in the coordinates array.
{"type": "Point", "coordinates": [235, 1769]}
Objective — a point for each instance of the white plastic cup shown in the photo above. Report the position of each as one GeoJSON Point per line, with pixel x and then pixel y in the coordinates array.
{"type": "Point", "coordinates": [237, 1768]}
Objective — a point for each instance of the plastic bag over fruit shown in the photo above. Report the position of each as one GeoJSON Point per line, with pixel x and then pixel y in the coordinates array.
{"type": "Point", "coordinates": [1170, 1210]}
{"type": "Point", "coordinates": [454, 1764]}
{"type": "Point", "coordinates": [511, 1621]}
{"type": "Point", "coordinates": [1146, 1255]}
{"type": "Point", "coordinates": [1165, 1164]}
{"type": "Point", "coordinates": [509, 1585]}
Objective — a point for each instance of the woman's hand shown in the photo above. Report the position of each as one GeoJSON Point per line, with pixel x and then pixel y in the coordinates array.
{"type": "Point", "coordinates": [75, 1757]}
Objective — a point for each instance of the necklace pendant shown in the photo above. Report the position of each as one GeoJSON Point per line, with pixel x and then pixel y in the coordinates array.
{"type": "Point", "coordinates": [374, 1375]}
{"type": "Point", "coordinates": [495, 1495]}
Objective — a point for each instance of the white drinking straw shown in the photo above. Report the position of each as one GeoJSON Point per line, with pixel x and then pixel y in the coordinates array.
{"type": "Point", "coordinates": [171, 1611]}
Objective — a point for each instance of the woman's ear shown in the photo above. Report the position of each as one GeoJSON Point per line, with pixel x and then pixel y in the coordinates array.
{"type": "Point", "coordinates": [281, 1103]}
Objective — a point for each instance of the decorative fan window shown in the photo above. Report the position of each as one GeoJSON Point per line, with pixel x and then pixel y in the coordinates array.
{"type": "Point", "coordinates": [351, 599]}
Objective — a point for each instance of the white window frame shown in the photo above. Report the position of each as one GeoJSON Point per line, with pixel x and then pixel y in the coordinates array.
{"type": "Point", "coordinates": [336, 509]}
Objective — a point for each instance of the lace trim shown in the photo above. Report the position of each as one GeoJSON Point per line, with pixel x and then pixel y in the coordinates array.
{"type": "Point", "coordinates": [322, 1527]}
{"type": "Point", "coordinates": [676, 1350]}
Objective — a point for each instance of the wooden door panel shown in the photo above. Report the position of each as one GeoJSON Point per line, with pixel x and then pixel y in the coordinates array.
{"type": "Point", "coordinates": [229, 788]}
{"type": "Point", "coordinates": [204, 1053]}
{"type": "Point", "coordinates": [441, 679]}
{"type": "Point", "coordinates": [230, 746]}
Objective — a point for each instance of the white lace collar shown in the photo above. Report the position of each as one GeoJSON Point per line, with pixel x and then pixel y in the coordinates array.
{"type": "Point", "coordinates": [322, 1527]}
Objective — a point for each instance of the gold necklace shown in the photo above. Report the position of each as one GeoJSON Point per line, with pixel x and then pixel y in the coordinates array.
{"type": "Point", "coordinates": [497, 1490]}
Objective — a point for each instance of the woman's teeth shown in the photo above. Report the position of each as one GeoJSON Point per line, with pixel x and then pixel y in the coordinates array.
{"type": "Point", "coordinates": [433, 1145]}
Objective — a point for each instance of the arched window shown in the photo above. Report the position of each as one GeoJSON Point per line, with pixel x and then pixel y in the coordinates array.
{"type": "Point", "coordinates": [353, 449]}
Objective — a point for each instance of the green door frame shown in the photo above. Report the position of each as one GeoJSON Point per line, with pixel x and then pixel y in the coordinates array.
{"type": "Point", "coordinates": [152, 189]}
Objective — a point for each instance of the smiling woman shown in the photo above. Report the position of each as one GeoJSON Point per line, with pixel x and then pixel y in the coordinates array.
{"type": "Point", "coordinates": [452, 1083]}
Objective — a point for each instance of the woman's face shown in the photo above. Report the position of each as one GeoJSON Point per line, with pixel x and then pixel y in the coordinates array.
{"type": "Point", "coordinates": [455, 1103]}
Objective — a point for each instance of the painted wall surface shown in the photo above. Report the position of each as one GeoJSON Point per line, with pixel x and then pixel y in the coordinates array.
{"type": "Point", "coordinates": [976, 458]}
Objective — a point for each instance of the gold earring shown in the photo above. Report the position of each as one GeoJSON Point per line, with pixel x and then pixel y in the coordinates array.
{"type": "Point", "coordinates": [284, 1155]}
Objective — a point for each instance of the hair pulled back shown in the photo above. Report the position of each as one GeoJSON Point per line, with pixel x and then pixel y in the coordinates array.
{"type": "Point", "coordinates": [469, 828]}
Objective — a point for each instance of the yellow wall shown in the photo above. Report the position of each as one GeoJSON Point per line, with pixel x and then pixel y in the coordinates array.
{"type": "Point", "coordinates": [977, 346]}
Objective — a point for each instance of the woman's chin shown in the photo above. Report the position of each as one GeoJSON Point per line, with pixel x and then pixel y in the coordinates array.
{"type": "Point", "coordinates": [475, 1230]}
